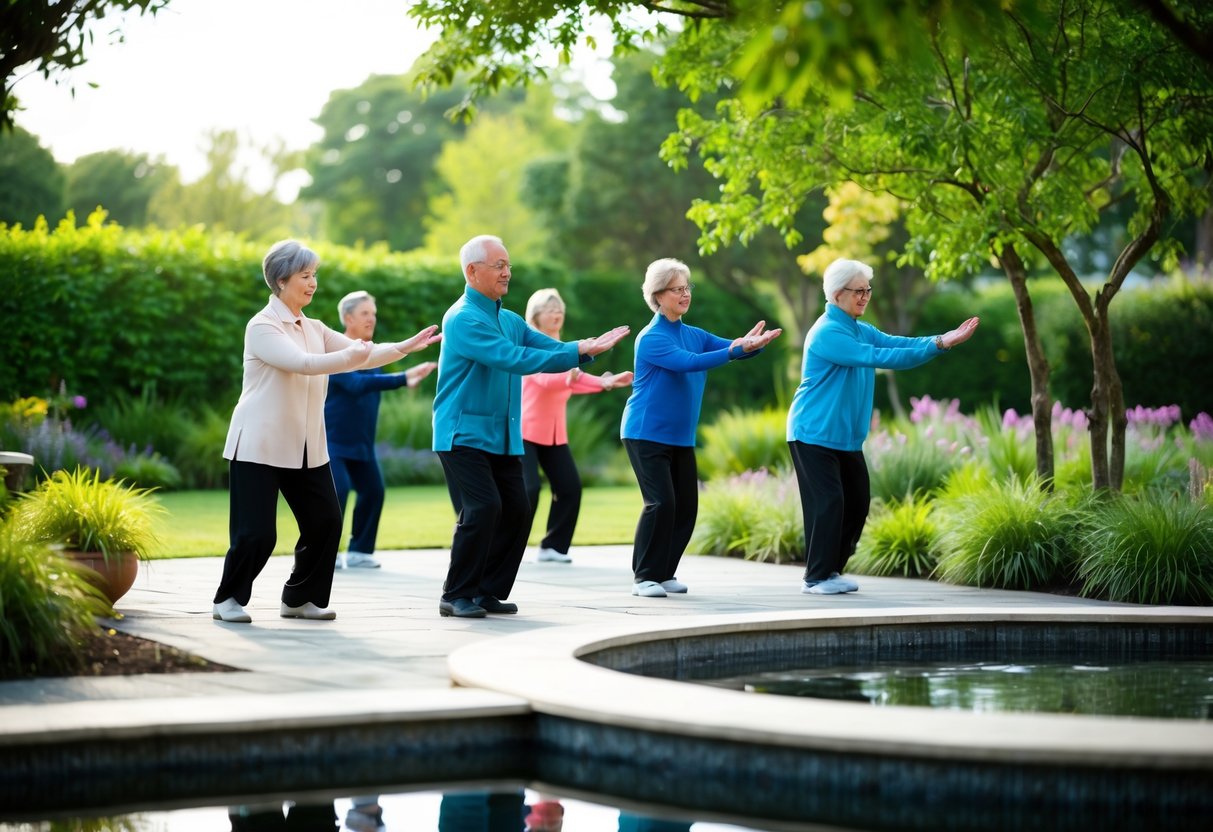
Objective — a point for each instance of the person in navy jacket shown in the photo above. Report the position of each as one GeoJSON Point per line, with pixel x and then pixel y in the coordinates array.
{"type": "Point", "coordinates": [486, 351]}
{"type": "Point", "coordinates": [351, 417]}
{"type": "Point", "coordinates": [831, 413]}
{"type": "Point", "coordinates": [661, 417]}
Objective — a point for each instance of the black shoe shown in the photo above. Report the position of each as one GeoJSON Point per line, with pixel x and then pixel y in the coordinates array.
{"type": "Point", "coordinates": [491, 604]}
{"type": "Point", "coordinates": [461, 608]}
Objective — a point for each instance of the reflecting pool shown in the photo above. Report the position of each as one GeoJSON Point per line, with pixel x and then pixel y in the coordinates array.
{"type": "Point", "coordinates": [1179, 689]}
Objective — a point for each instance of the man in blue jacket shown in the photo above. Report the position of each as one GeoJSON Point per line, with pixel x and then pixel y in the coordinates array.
{"type": "Point", "coordinates": [351, 417]}
{"type": "Point", "coordinates": [486, 350]}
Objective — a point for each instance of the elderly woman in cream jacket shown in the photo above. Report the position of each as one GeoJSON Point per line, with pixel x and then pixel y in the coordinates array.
{"type": "Point", "coordinates": [276, 442]}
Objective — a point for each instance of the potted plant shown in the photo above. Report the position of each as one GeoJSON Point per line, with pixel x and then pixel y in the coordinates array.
{"type": "Point", "coordinates": [104, 524]}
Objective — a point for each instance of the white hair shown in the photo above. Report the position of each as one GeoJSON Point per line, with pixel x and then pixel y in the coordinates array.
{"type": "Point", "coordinates": [658, 276]}
{"type": "Point", "coordinates": [475, 250]}
{"type": "Point", "coordinates": [839, 273]}
{"type": "Point", "coordinates": [352, 301]}
{"type": "Point", "coordinates": [540, 302]}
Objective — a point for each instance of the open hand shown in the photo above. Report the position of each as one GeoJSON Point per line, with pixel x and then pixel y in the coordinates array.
{"type": "Point", "coordinates": [424, 338]}
{"type": "Point", "coordinates": [757, 338]}
{"type": "Point", "coordinates": [608, 339]}
{"type": "Point", "coordinates": [416, 374]}
{"type": "Point", "coordinates": [621, 380]}
{"type": "Point", "coordinates": [961, 334]}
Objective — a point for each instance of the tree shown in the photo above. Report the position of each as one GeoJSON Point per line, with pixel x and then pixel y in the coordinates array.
{"type": "Point", "coordinates": [121, 182]}
{"type": "Point", "coordinates": [222, 198]}
{"type": "Point", "coordinates": [1004, 147]}
{"type": "Point", "coordinates": [31, 182]}
{"type": "Point", "coordinates": [51, 35]}
{"type": "Point", "coordinates": [482, 173]}
{"type": "Point", "coordinates": [373, 171]}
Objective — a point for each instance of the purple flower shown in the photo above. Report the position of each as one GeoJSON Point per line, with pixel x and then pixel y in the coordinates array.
{"type": "Point", "coordinates": [1202, 426]}
{"type": "Point", "coordinates": [79, 402]}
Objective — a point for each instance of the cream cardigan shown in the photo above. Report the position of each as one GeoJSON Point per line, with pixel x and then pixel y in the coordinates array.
{"type": "Point", "coordinates": [287, 362]}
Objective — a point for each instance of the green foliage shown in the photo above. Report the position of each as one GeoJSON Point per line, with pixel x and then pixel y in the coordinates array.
{"type": "Point", "coordinates": [200, 460]}
{"type": "Point", "coordinates": [120, 181]}
{"type": "Point", "coordinates": [31, 183]}
{"type": "Point", "coordinates": [902, 468]}
{"type": "Point", "coordinates": [1011, 535]}
{"type": "Point", "coordinates": [899, 539]}
{"type": "Point", "coordinates": [1148, 549]}
{"type": "Point", "coordinates": [83, 512]}
{"type": "Point", "coordinates": [406, 420]}
{"type": "Point", "coordinates": [409, 466]}
{"type": "Point", "coordinates": [47, 608]}
{"type": "Point", "coordinates": [52, 37]}
{"type": "Point", "coordinates": [744, 440]}
{"type": "Point", "coordinates": [753, 515]}
{"type": "Point", "coordinates": [143, 420]}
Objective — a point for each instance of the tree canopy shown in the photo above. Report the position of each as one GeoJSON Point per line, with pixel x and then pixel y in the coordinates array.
{"type": "Point", "coordinates": [50, 35]}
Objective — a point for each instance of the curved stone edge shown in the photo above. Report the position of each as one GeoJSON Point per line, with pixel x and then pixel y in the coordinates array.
{"type": "Point", "coordinates": [546, 668]}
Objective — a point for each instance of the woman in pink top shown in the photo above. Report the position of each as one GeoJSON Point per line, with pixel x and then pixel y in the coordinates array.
{"type": "Point", "coordinates": [545, 437]}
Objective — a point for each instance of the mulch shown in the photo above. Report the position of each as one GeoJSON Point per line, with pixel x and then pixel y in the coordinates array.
{"type": "Point", "coordinates": [114, 653]}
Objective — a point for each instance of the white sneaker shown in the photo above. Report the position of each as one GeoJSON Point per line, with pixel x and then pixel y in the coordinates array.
{"type": "Point", "coordinates": [340, 562]}
{"type": "Point", "coordinates": [552, 556]}
{"type": "Point", "coordinates": [826, 587]}
{"type": "Point", "coordinates": [361, 560]}
{"type": "Point", "coordinates": [648, 589]}
{"type": "Point", "coordinates": [309, 611]}
{"type": "Point", "coordinates": [231, 612]}
{"type": "Point", "coordinates": [847, 584]}
{"type": "Point", "coordinates": [673, 585]}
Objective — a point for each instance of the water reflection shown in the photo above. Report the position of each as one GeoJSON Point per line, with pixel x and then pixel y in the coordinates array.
{"type": "Point", "coordinates": [1180, 689]}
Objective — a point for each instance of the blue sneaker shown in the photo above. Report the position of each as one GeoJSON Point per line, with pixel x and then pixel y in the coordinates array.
{"type": "Point", "coordinates": [847, 584]}
{"type": "Point", "coordinates": [826, 587]}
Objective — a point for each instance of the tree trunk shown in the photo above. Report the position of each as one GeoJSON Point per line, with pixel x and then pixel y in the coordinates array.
{"type": "Point", "coordinates": [1038, 365]}
{"type": "Point", "coordinates": [1107, 381]}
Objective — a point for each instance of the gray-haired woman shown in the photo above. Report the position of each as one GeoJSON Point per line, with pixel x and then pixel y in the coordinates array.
{"type": "Point", "coordinates": [830, 415]}
{"type": "Point", "coordinates": [276, 442]}
{"type": "Point", "coordinates": [660, 419]}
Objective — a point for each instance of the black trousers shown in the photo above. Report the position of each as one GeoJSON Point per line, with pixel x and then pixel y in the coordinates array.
{"type": "Point", "coordinates": [669, 483]}
{"type": "Point", "coordinates": [558, 466]}
{"type": "Point", "coordinates": [253, 529]}
{"type": "Point", "coordinates": [493, 523]}
{"type": "Point", "coordinates": [835, 495]}
{"type": "Point", "coordinates": [365, 479]}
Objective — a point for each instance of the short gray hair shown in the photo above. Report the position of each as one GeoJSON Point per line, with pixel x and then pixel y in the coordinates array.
{"type": "Point", "coordinates": [285, 258]}
{"type": "Point", "coordinates": [473, 250]}
{"type": "Point", "coordinates": [658, 276]}
{"type": "Point", "coordinates": [352, 301]}
{"type": "Point", "coordinates": [540, 301]}
{"type": "Point", "coordinates": [839, 273]}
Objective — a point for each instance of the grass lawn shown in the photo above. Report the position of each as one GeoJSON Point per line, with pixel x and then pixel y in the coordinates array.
{"type": "Point", "coordinates": [414, 517]}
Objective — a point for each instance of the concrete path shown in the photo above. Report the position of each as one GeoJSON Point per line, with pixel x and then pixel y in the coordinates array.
{"type": "Point", "coordinates": [388, 634]}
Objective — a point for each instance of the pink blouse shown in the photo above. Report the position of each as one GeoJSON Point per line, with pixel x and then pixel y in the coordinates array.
{"type": "Point", "coordinates": [545, 398]}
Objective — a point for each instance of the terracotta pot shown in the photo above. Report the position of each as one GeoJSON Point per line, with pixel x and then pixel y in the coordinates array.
{"type": "Point", "coordinates": [115, 575]}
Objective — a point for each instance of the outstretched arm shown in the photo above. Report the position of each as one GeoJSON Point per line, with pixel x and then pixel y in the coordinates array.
{"type": "Point", "coordinates": [599, 345]}
{"type": "Point", "coordinates": [757, 338]}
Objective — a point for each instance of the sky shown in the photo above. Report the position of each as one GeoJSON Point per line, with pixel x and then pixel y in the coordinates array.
{"type": "Point", "coordinates": [264, 68]}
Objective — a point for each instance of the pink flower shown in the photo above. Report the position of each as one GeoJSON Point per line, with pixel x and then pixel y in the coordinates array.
{"type": "Point", "coordinates": [79, 402]}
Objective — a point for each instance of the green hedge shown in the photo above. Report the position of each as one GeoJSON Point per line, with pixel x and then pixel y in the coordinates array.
{"type": "Point", "coordinates": [108, 310]}
{"type": "Point", "coordinates": [113, 310]}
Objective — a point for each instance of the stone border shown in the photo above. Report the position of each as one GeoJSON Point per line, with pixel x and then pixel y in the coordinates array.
{"type": "Point", "coordinates": [548, 669]}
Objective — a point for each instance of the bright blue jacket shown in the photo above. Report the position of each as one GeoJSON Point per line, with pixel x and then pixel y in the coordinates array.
{"type": "Point", "coordinates": [672, 360]}
{"type": "Point", "coordinates": [351, 411]}
{"type": "Point", "coordinates": [486, 350]}
{"type": "Point", "coordinates": [832, 406]}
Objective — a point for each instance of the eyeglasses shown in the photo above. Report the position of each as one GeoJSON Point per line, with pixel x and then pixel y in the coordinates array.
{"type": "Point", "coordinates": [681, 291]}
{"type": "Point", "coordinates": [863, 293]}
{"type": "Point", "coordinates": [500, 265]}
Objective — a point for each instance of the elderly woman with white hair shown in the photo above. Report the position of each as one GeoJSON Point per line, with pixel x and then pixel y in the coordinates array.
{"type": "Point", "coordinates": [661, 417]}
{"type": "Point", "coordinates": [276, 439]}
{"type": "Point", "coordinates": [831, 413]}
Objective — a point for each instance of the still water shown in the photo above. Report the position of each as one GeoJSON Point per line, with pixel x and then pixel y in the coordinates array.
{"type": "Point", "coordinates": [513, 810]}
{"type": "Point", "coordinates": [1178, 689]}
